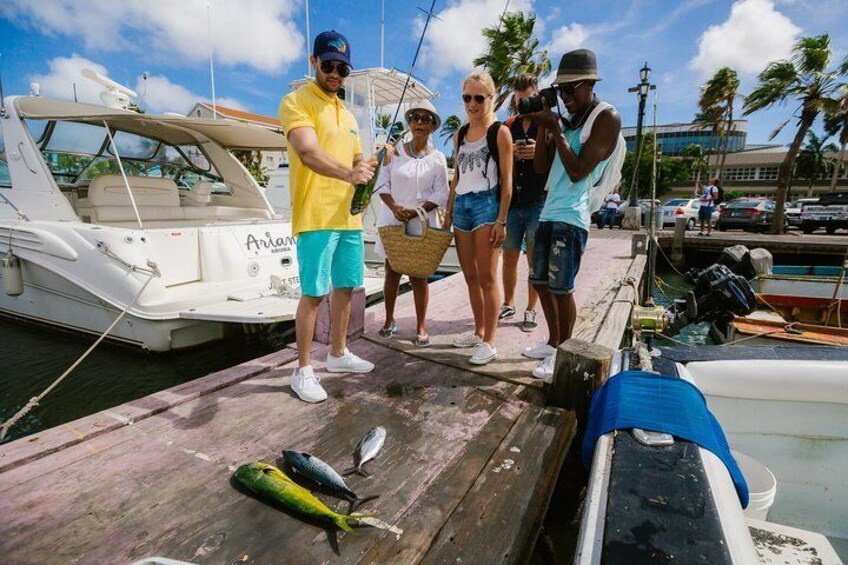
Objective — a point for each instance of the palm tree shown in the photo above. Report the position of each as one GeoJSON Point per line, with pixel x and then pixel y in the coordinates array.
{"type": "Point", "coordinates": [813, 162]}
{"type": "Point", "coordinates": [836, 123]}
{"type": "Point", "coordinates": [805, 79]}
{"type": "Point", "coordinates": [699, 161]}
{"type": "Point", "coordinates": [710, 120]}
{"type": "Point", "coordinates": [450, 126]}
{"type": "Point", "coordinates": [717, 97]}
{"type": "Point", "coordinates": [512, 51]}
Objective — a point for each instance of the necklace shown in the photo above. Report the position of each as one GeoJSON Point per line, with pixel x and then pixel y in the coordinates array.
{"type": "Point", "coordinates": [414, 154]}
{"type": "Point", "coordinates": [585, 115]}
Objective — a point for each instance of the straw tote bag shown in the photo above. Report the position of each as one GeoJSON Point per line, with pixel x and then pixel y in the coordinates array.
{"type": "Point", "coordinates": [417, 256]}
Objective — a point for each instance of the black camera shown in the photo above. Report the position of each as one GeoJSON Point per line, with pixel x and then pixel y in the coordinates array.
{"type": "Point", "coordinates": [534, 103]}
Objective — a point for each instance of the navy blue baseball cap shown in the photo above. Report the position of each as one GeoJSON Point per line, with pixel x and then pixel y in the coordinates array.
{"type": "Point", "coordinates": [332, 46]}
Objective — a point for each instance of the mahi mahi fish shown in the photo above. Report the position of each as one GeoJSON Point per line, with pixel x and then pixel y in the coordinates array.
{"type": "Point", "coordinates": [367, 449]}
{"type": "Point", "coordinates": [324, 476]}
{"type": "Point", "coordinates": [271, 483]}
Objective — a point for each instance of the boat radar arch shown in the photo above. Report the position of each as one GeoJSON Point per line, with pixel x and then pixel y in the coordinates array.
{"type": "Point", "coordinates": [116, 95]}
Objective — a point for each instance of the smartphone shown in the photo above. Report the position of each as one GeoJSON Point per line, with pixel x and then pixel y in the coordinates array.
{"type": "Point", "coordinates": [521, 142]}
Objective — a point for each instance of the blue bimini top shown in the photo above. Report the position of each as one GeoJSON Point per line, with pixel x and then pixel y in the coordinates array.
{"type": "Point", "coordinates": [659, 403]}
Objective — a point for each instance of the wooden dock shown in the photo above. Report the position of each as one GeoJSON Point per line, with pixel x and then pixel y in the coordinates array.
{"type": "Point", "coordinates": [811, 248]}
{"type": "Point", "coordinates": [467, 471]}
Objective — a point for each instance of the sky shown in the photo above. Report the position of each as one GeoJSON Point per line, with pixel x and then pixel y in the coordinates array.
{"type": "Point", "coordinates": [260, 46]}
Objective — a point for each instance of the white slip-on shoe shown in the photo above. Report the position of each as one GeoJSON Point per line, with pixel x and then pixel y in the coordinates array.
{"type": "Point", "coordinates": [348, 363]}
{"type": "Point", "coordinates": [545, 369]}
{"type": "Point", "coordinates": [539, 351]}
{"type": "Point", "coordinates": [483, 353]}
{"type": "Point", "coordinates": [307, 386]}
{"type": "Point", "coordinates": [468, 339]}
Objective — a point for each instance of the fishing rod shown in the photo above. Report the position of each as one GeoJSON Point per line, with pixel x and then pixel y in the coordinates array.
{"type": "Point", "coordinates": [362, 192]}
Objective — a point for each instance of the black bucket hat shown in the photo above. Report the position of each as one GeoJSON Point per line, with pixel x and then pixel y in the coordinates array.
{"type": "Point", "coordinates": [577, 65]}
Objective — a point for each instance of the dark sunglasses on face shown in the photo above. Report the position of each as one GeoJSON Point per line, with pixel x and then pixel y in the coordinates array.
{"type": "Point", "coordinates": [343, 69]}
{"type": "Point", "coordinates": [569, 88]}
{"type": "Point", "coordinates": [479, 98]}
{"type": "Point", "coordinates": [423, 118]}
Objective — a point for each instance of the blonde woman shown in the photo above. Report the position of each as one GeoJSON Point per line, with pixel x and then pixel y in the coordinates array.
{"type": "Point", "coordinates": [417, 177]}
{"type": "Point", "coordinates": [477, 208]}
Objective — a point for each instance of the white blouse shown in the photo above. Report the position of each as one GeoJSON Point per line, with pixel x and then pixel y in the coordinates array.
{"type": "Point", "coordinates": [412, 181]}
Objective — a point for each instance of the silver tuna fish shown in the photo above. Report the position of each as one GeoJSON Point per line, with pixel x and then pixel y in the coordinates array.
{"type": "Point", "coordinates": [367, 449]}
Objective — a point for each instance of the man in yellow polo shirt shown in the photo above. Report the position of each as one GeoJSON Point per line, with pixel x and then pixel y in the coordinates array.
{"type": "Point", "coordinates": [325, 163]}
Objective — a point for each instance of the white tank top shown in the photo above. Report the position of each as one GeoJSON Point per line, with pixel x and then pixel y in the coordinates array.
{"type": "Point", "coordinates": [472, 157]}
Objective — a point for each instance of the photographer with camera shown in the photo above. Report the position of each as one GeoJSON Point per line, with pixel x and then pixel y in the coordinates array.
{"type": "Point", "coordinates": [528, 197]}
{"type": "Point", "coordinates": [575, 156]}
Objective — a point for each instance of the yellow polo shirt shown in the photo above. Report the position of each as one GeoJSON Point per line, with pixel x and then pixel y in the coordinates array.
{"type": "Point", "coordinates": [319, 202]}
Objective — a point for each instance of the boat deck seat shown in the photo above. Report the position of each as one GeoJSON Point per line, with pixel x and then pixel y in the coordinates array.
{"type": "Point", "coordinates": [158, 203]}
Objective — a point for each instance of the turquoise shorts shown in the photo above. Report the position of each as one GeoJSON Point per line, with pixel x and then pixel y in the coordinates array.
{"type": "Point", "coordinates": [329, 256]}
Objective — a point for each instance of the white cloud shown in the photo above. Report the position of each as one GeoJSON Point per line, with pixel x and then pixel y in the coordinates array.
{"type": "Point", "coordinates": [754, 35]}
{"type": "Point", "coordinates": [259, 33]}
{"type": "Point", "coordinates": [64, 74]}
{"type": "Point", "coordinates": [455, 39]}
{"type": "Point", "coordinates": [567, 38]}
{"type": "Point", "coordinates": [157, 95]}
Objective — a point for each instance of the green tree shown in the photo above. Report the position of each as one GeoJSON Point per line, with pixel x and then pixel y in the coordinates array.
{"type": "Point", "coordinates": [669, 170]}
{"type": "Point", "coordinates": [450, 126]}
{"type": "Point", "coordinates": [698, 161]}
{"type": "Point", "coordinates": [803, 78]}
{"type": "Point", "coordinates": [813, 162]}
{"type": "Point", "coordinates": [252, 161]}
{"type": "Point", "coordinates": [836, 123]}
{"type": "Point", "coordinates": [716, 102]}
{"type": "Point", "coordinates": [512, 51]}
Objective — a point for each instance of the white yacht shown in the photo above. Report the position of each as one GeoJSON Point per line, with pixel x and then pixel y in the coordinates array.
{"type": "Point", "coordinates": [103, 209]}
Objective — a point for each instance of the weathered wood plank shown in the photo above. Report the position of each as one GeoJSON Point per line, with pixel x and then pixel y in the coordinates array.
{"type": "Point", "coordinates": [426, 517]}
{"type": "Point", "coordinates": [509, 500]}
{"type": "Point", "coordinates": [50, 441]}
{"type": "Point", "coordinates": [618, 315]}
{"type": "Point", "coordinates": [581, 367]}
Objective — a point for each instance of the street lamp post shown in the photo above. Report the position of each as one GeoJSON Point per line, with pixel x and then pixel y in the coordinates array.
{"type": "Point", "coordinates": [633, 214]}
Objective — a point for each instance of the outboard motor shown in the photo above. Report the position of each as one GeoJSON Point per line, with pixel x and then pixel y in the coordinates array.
{"type": "Point", "coordinates": [718, 295]}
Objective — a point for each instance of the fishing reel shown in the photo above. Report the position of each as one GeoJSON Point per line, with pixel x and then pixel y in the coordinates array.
{"type": "Point", "coordinates": [649, 319]}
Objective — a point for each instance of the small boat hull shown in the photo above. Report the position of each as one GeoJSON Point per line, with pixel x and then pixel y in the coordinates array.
{"type": "Point", "coordinates": [803, 298]}
{"type": "Point", "coordinates": [797, 332]}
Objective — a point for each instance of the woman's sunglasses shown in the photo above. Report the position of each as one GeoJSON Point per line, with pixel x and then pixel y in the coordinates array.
{"type": "Point", "coordinates": [423, 118]}
{"type": "Point", "coordinates": [479, 98]}
{"type": "Point", "coordinates": [343, 69]}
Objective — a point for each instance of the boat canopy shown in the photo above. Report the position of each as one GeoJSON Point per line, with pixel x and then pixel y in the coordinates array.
{"type": "Point", "coordinates": [170, 129]}
{"type": "Point", "coordinates": [387, 85]}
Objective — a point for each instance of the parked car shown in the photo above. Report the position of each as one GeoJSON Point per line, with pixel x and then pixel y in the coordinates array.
{"type": "Point", "coordinates": [749, 214]}
{"type": "Point", "coordinates": [644, 204]}
{"type": "Point", "coordinates": [830, 212]}
{"type": "Point", "coordinates": [793, 210]}
{"type": "Point", "coordinates": [681, 207]}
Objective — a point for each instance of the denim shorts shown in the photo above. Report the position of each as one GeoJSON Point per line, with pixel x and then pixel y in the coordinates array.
{"type": "Point", "coordinates": [705, 213]}
{"type": "Point", "coordinates": [473, 210]}
{"type": "Point", "coordinates": [329, 256]}
{"type": "Point", "coordinates": [521, 224]}
{"type": "Point", "coordinates": [556, 259]}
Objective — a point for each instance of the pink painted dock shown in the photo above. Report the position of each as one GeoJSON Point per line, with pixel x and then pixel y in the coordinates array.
{"type": "Point", "coordinates": [467, 470]}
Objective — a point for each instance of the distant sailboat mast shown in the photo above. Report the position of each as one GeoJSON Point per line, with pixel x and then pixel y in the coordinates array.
{"type": "Point", "coordinates": [211, 61]}
{"type": "Point", "coordinates": [308, 39]}
{"type": "Point", "coordinates": [382, 30]}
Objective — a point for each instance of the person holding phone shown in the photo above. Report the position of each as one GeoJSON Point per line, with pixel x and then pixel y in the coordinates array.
{"type": "Point", "coordinates": [528, 199]}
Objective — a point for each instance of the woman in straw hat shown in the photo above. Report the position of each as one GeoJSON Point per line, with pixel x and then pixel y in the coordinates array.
{"type": "Point", "coordinates": [477, 207]}
{"type": "Point", "coordinates": [415, 178]}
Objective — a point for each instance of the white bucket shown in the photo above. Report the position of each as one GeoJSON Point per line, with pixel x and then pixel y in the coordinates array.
{"type": "Point", "coordinates": [762, 485]}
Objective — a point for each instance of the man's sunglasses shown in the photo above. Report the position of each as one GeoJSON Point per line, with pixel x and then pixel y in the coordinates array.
{"type": "Point", "coordinates": [343, 69]}
{"type": "Point", "coordinates": [479, 98]}
{"type": "Point", "coordinates": [569, 88]}
{"type": "Point", "coordinates": [423, 118]}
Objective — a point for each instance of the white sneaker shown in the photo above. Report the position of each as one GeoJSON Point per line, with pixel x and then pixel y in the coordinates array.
{"type": "Point", "coordinates": [348, 363]}
{"type": "Point", "coordinates": [468, 339]}
{"type": "Point", "coordinates": [539, 351]}
{"type": "Point", "coordinates": [483, 353]}
{"type": "Point", "coordinates": [545, 369]}
{"type": "Point", "coordinates": [306, 385]}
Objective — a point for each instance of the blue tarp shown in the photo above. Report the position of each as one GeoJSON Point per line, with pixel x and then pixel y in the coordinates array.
{"type": "Point", "coordinates": [659, 403]}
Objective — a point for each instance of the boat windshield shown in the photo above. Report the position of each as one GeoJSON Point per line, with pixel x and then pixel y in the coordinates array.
{"type": "Point", "coordinates": [77, 152]}
{"type": "Point", "coordinates": [5, 178]}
